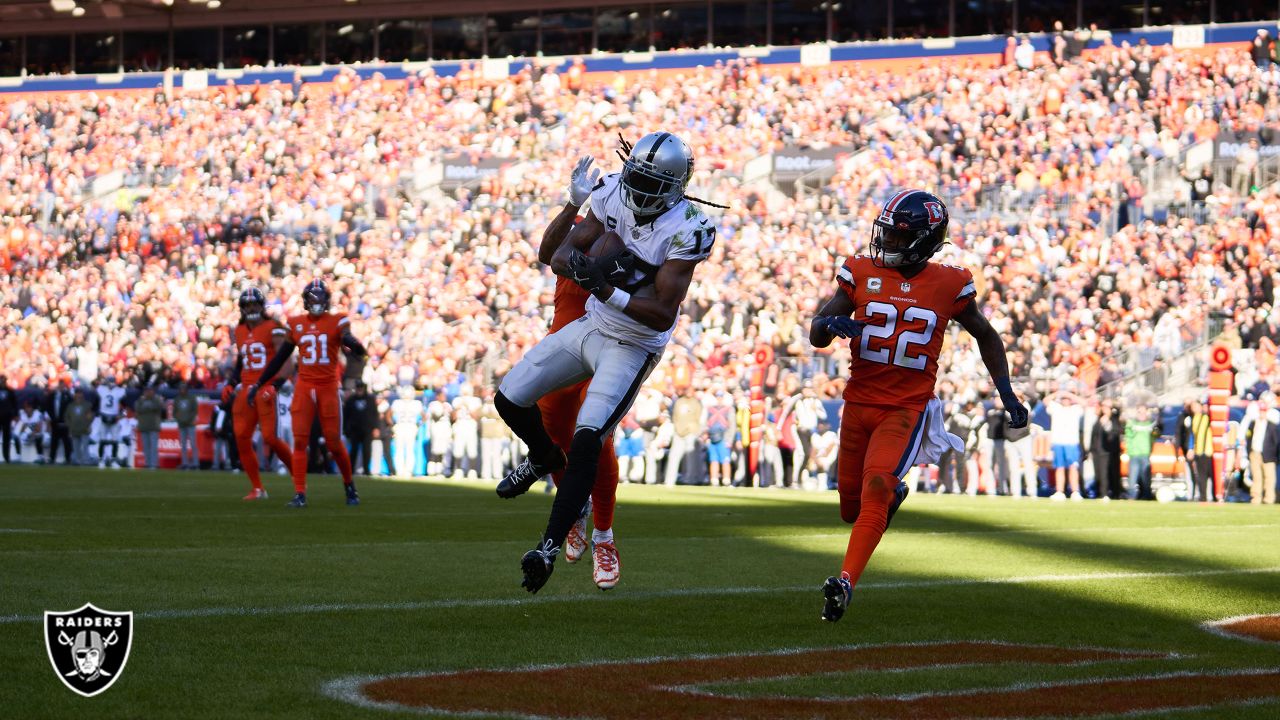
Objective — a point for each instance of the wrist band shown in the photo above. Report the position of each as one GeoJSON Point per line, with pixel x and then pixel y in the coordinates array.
{"type": "Point", "coordinates": [618, 299]}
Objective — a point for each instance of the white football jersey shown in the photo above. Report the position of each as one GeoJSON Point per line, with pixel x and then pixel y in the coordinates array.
{"type": "Point", "coordinates": [406, 411]}
{"type": "Point", "coordinates": [681, 233]}
{"type": "Point", "coordinates": [110, 400]}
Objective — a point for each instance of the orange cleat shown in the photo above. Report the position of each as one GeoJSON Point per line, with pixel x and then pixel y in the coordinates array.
{"type": "Point", "coordinates": [256, 494]}
{"type": "Point", "coordinates": [607, 565]}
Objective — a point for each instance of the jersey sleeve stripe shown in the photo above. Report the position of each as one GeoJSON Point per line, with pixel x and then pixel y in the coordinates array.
{"type": "Point", "coordinates": [344, 322]}
{"type": "Point", "coordinates": [967, 290]}
{"type": "Point", "coordinates": [279, 331]}
{"type": "Point", "coordinates": [844, 274]}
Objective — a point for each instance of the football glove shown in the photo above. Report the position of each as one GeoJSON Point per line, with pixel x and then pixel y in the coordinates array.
{"type": "Point", "coordinates": [586, 273]}
{"type": "Point", "coordinates": [1018, 415]}
{"type": "Point", "coordinates": [228, 393]}
{"type": "Point", "coordinates": [618, 267]}
{"type": "Point", "coordinates": [583, 180]}
{"type": "Point", "coordinates": [841, 325]}
{"type": "Point", "coordinates": [253, 394]}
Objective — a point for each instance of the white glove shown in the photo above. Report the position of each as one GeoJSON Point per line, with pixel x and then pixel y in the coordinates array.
{"type": "Point", "coordinates": [583, 180]}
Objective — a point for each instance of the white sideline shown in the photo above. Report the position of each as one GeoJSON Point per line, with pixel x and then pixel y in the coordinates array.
{"type": "Point", "coordinates": [508, 601]}
{"type": "Point", "coordinates": [239, 549]}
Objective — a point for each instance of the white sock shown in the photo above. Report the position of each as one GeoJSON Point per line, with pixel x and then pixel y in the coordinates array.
{"type": "Point", "coordinates": [600, 536]}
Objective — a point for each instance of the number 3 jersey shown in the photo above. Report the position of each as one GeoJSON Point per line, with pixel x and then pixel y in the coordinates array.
{"type": "Point", "coordinates": [255, 348]}
{"type": "Point", "coordinates": [681, 233]}
{"type": "Point", "coordinates": [319, 343]}
{"type": "Point", "coordinates": [895, 362]}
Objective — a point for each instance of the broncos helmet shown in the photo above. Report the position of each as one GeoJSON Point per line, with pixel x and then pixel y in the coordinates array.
{"type": "Point", "coordinates": [316, 297]}
{"type": "Point", "coordinates": [911, 227]}
{"type": "Point", "coordinates": [655, 173]}
{"type": "Point", "coordinates": [250, 298]}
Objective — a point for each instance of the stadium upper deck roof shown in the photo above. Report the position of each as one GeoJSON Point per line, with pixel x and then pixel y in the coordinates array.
{"type": "Point", "coordinates": [40, 16]}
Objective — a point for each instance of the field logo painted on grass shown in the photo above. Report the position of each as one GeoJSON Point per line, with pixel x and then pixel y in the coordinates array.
{"type": "Point", "coordinates": [661, 688]}
{"type": "Point", "coordinates": [1255, 628]}
{"type": "Point", "coordinates": [88, 647]}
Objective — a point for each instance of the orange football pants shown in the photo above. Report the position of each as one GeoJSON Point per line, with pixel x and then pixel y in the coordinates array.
{"type": "Point", "coordinates": [308, 400]}
{"type": "Point", "coordinates": [877, 447]}
{"type": "Point", "coordinates": [560, 417]}
{"type": "Point", "coordinates": [245, 417]}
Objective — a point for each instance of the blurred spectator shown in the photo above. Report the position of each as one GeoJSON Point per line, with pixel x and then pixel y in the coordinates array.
{"type": "Point", "coordinates": [1066, 435]}
{"type": "Point", "coordinates": [1140, 432]}
{"type": "Point", "coordinates": [1104, 451]}
{"type": "Point", "coordinates": [149, 411]}
{"type": "Point", "coordinates": [1260, 435]}
{"type": "Point", "coordinates": [826, 450]}
{"type": "Point", "coordinates": [721, 425]}
{"type": "Point", "coordinates": [1199, 452]}
{"type": "Point", "coordinates": [8, 415]}
{"type": "Point", "coordinates": [32, 428]}
{"type": "Point", "coordinates": [953, 467]}
{"type": "Point", "coordinates": [79, 423]}
{"type": "Point", "coordinates": [688, 419]}
{"type": "Point", "coordinates": [360, 417]}
{"type": "Point", "coordinates": [56, 402]}
{"type": "Point", "coordinates": [186, 410]}
{"type": "Point", "coordinates": [406, 414]}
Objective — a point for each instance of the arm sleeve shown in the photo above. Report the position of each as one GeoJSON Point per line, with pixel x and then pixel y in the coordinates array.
{"type": "Point", "coordinates": [845, 280]}
{"type": "Point", "coordinates": [968, 291]}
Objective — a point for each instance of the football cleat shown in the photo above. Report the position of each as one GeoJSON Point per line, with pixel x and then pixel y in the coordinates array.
{"type": "Point", "coordinates": [518, 481]}
{"type": "Point", "coordinates": [298, 501]}
{"type": "Point", "coordinates": [837, 591]}
{"type": "Point", "coordinates": [256, 494]}
{"type": "Point", "coordinates": [575, 545]}
{"type": "Point", "coordinates": [900, 494]}
{"type": "Point", "coordinates": [607, 565]}
{"type": "Point", "coordinates": [537, 565]}
{"type": "Point", "coordinates": [353, 497]}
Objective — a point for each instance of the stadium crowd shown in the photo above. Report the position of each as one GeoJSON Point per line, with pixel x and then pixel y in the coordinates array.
{"type": "Point", "coordinates": [1042, 163]}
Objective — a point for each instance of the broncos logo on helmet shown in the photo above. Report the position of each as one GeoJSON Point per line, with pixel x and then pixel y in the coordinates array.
{"type": "Point", "coordinates": [315, 298]}
{"type": "Point", "coordinates": [911, 227]}
{"type": "Point", "coordinates": [252, 305]}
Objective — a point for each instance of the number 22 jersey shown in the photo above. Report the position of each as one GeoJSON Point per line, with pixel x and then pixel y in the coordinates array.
{"type": "Point", "coordinates": [895, 362]}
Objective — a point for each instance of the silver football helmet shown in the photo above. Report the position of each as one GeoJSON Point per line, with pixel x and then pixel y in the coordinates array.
{"type": "Point", "coordinates": [656, 172]}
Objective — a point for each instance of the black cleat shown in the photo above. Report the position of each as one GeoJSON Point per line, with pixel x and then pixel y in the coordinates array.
{"type": "Point", "coordinates": [353, 497]}
{"type": "Point", "coordinates": [900, 494]}
{"type": "Point", "coordinates": [299, 501]}
{"type": "Point", "coordinates": [518, 481]}
{"type": "Point", "coordinates": [538, 564]}
{"type": "Point", "coordinates": [837, 592]}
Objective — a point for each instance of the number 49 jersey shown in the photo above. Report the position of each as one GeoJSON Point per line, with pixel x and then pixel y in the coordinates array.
{"type": "Point", "coordinates": [256, 348]}
{"type": "Point", "coordinates": [319, 343]}
{"type": "Point", "coordinates": [895, 362]}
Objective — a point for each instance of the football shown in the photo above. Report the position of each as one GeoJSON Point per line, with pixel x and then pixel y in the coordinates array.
{"type": "Point", "coordinates": [607, 244]}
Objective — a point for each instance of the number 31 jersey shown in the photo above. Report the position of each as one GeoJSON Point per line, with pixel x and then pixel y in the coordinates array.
{"type": "Point", "coordinates": [319, 343]}
{"type": "Point", "coordinates": [255, 348]}
{"type": "Point", "coordinates": [895, 362]}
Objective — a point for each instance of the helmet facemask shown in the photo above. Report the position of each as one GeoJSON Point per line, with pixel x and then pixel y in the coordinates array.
{"type": "Point", "coordinates": [646, 190]}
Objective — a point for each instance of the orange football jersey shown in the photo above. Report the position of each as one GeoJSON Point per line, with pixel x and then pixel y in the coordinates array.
{"type": "Point", "coordinates": [570, 303]}
{"type": "Point", "coordinates": [895, 362]}
{"type": "Point", "coordinates": [319, 343]}
{"type": "Point", "coordinates": [255, 348]}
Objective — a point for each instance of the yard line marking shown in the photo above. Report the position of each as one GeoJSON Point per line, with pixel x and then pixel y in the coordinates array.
{"type": "Point", "coordinates": [25, 530]}
{"type": "Point", "coordinates": [639, 540]}
{"type": "Point", "coordinates": [1219, 628]}
{"type": "Point", "coordinates": [450, 604]}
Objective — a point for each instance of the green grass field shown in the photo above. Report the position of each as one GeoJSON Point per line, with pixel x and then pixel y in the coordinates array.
{"type": "Point", "coordinates": [252, 610]}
